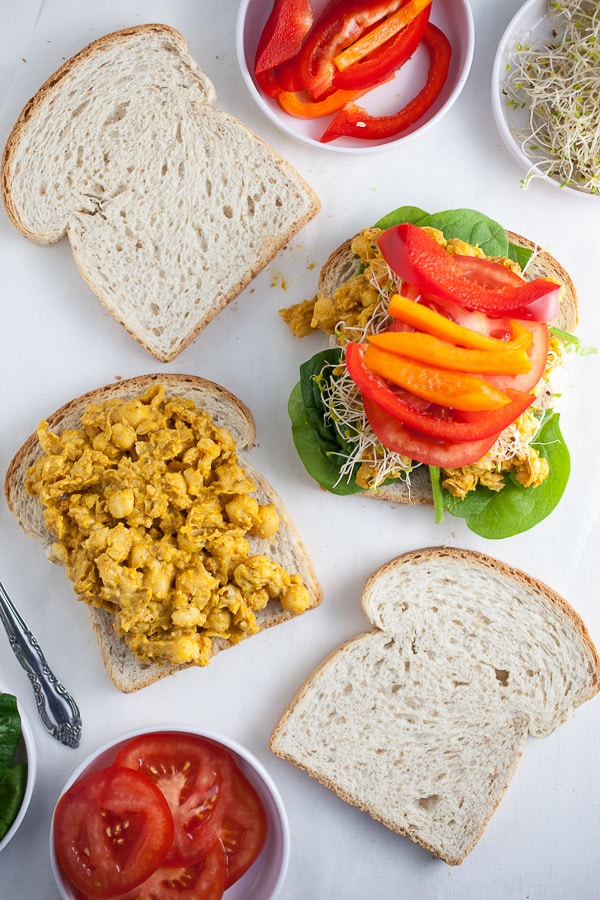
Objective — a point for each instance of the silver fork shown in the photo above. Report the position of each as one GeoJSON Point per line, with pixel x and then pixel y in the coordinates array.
{"type": "Point", "coordinates": [59, 712]}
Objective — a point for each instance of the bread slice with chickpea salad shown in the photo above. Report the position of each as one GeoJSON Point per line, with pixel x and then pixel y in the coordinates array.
{"type": "Point", "coordinates": [421, 721]}
{"type": "Point", "coordinates": [178, 546]}
{"type": "Point", "coordinates": [171, 206]}
{"type": "Point", "coordinates": [412, 307]}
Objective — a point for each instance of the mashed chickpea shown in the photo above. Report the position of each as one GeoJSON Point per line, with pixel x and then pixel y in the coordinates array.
{"type": "Point", "coordinates": [152, 514]}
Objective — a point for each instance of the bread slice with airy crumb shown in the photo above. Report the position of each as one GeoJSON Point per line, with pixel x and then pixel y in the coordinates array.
{"type": "Point", "coordinates": [171, 205]}
{"type": "Point", "coordinates": [124, 669]}
{"type": "Point", "coordinates": [421, 721]}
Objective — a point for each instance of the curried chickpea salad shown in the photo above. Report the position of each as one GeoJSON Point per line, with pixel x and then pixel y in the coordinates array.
{"type": "Point", "coordinates": [152, 514]}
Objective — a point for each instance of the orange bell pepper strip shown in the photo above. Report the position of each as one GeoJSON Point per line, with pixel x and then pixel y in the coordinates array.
{"type": "Point", "coordinates": [430, 349]}
{"type": "Point", "coordinates": [373, 39]}
{"type": "Point", "coordinates": [294, 104]}
{"type": "Point", "coordinates": [456, 390]}
{"type": "Point", "coordinates": [423, 318]}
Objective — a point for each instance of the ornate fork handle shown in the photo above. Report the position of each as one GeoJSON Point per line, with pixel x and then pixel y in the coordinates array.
{"type": "Point", "coordinates": [58, 710]}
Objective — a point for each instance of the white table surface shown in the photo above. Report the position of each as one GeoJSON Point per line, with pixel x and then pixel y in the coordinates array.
{"type": "Point", "coordinates": [56, 341]}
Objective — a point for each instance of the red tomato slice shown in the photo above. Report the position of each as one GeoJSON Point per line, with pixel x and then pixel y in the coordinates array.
{"type": "Point", "coordinates": [205, 880]}
{"type": "Point", "coordinates": [419, 447]}
{"type": "Point", "coordinates": [112, 829]}
{"type": "Point", "coordinates": [189, 772]}
{"type": "Point", "coordinates": [209, 796]}
{"type": "Point", "coordinates": [244, 826]}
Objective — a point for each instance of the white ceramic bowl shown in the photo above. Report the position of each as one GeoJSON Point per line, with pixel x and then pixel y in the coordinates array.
{"type": "Point", "coordinates": [455, 19]}
{"type": "Point", "coordinates": [26, 752]}
{"type": "Point", "coordinates": [264, 878]}
{"type": "Point", "coordinates": [531, 23]}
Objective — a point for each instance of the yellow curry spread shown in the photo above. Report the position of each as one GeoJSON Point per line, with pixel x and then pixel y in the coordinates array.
{"type": "Point", "coordinates": [151, 514]}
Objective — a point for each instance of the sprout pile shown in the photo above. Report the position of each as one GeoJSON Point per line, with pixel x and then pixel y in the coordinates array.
{"type": "Point", "coordinates": [557, 81]}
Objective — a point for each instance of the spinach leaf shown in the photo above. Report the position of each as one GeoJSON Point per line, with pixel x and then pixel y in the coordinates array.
{"type": "Point", "coordinates": [10, 729]}
{"type": "Point", "coordinates": [515, 509]}
{"type": "Point", "coordinates": [311, 375]}
{"type": "Point", "coordinates": [317, 455]}
{"type": "Point", "coordinates": [12, 778]}
{"type": "Point", "coordinates": [12, 791]}
{"type": "Point", "coordinates": [466, 224]}
{"type": "Point", "coordinates": [411, 214]}
{"type": "Point", "coordinates": [520, 255]}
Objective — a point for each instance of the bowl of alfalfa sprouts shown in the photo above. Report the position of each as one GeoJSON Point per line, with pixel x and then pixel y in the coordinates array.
{"type": "Point", "coordinates": [546, 93]}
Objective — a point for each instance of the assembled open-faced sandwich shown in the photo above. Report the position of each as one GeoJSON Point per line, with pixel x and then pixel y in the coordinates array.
{"type": "Point", "coordinates": [178, 545]}
{"type": "Point", "coordinates": [444, 331]}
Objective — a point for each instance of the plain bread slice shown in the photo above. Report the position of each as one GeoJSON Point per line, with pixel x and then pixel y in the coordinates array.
{"type": "Point", "coordinates": [171, 205]}
{"type": "Point", "coordinates": [421, 721]}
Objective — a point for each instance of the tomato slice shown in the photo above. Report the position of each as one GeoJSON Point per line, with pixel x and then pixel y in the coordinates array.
{"type": "Point", "coordinates": [209, 796]}
{"type": "Point", "coordinates": [205, 880]}
{"type": "Point", "coordinates": [244, 826]}
{"type": "Point", "coordinates": [419, 447]}
{"type": "Point", "coordinates": [112, 829]}
{"type": "Point", "coordinates": [189, 772]}
{"type": "Point", "coordinates": [436, 422]}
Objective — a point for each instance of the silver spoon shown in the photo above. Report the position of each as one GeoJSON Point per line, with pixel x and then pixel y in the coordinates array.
{"type": "Point", "coordinates": [58, 710]}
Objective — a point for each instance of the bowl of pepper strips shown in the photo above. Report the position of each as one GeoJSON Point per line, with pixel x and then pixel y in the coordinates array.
{"type": "Point", "coordinates": [354, 76]}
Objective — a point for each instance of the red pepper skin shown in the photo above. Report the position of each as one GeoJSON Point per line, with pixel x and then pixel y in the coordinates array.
{"type": "Point", "coordinates": [288, 24]}
{"type": "Point", "coordinates": [354, 121]}
{"type": "Point", "coordinates": [343, 22]}
{"type": "Point", "coordinates": [392, 55]}
{"type": "Point", "coordinates": [416, 257]}
{"type": "Point", "coordinates": [420, 447]}
{"type": "Point", "coordinates": [447, 426]}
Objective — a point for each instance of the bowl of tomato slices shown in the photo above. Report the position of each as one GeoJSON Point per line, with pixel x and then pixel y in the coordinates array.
{"type": "Point", "coordinates": [170, 811]}
{"type": "Point", "coordinates": [354, 76]}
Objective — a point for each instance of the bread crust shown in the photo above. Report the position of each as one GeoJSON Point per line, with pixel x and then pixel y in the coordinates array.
{"type": "Point", "coordinates": [342, 264]}
{"type": "Point", "coordinates": [227, 410]}
{"type": "Point", "coordinates": [319, 682]}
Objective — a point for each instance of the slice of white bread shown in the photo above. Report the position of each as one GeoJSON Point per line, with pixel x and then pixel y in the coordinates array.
{"type": "Point", "coordinates": [421, 721]}
{"type": "Point", "coordinates": [342, 264]}
{"type": "Point", "coordinates": [285, 547]}
{"type": "Point", "coordinates": [171, 205]}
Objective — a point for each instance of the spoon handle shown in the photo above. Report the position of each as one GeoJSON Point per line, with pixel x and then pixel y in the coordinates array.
{"type": "Point", "coordinates": [57, 709]}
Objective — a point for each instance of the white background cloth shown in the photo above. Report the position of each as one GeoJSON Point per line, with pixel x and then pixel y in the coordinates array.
{"type": "Point", "coordinates": [57, 341]}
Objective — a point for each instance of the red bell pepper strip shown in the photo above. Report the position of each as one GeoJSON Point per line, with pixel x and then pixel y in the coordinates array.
{"type": "Point", "coordinates": [428, 348]}
{"type": "Point", "coordinates": [457, 390]}
{"type": "Point", "coordinates": [341, 24]}
{"type": "Point", "coordinates": [392, 55]}
{"type": "Point", "coordinates": [354, 121]}
{"type": "Point", "coordinates": [447, 425]}
{"type": "Point", "coordinates": [294, 104]}
{"type": "Point", "coordinates": [283, 35]}
{"type": "Point", "coordinates": [379, 34]}
{"type": "Point", "coordinates": [416, 257]}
